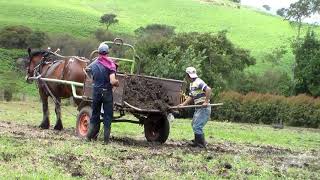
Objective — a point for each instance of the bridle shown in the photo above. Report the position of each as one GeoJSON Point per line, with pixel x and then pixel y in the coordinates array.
{"type": "Point", "coordinates": [38, 67]}
{"type": "Point", "coordinates": [37, 74]}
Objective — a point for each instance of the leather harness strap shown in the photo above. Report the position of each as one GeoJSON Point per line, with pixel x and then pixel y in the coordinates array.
{"type": "Point", "coordinates": [38, 69]}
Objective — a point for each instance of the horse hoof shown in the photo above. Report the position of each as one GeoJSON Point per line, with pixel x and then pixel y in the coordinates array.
{"type": "Point", "coordinates": [44, 126]}
{"type": "Point", "coordinates": [58, 127]}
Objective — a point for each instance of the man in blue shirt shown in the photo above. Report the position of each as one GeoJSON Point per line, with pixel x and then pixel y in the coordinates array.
{"type": "Point", "coordinates": [103, 74]}
{"type": "Point", "coordinates": [200, 94]}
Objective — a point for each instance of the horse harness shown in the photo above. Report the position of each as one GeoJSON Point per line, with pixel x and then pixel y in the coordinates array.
{"type": "Point", "coordinates": [37, 73]}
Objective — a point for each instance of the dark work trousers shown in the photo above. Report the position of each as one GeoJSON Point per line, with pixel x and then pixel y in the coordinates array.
{"type": "Point", "coordinates": [102, 97]}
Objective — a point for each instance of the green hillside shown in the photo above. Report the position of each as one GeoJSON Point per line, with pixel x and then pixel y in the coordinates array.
{"type": "Point", "coordinates": [247, 28]}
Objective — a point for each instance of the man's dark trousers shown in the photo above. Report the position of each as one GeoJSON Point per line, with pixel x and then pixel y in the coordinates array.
{"type": "Point", "coordinates": [102, 97]}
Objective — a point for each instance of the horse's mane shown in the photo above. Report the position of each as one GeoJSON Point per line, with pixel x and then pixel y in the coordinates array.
{"type": "Point", "coordinates": [39, 52]}
{"type": "Point", "coordinates": [48, 55]}
{"type": "Point", "coordinates": [53, 56]}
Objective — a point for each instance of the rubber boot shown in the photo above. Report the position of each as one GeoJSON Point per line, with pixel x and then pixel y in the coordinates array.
{"type": "Point", "coordinates": [106, 135]}
{"type": "Point", "coordinates": [93, 132]}
{"type": "Point", "coordinates": [193, 141]}
{"type": "Point", "coordinates": [199, 141]}
{"type": "Point", "coordinates": [202, 143]}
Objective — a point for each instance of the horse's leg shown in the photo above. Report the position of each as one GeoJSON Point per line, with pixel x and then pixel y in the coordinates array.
{"type": "Point", "coordinates": [45, 124]}
{"type": "Point", "coordinates": [58, 125]}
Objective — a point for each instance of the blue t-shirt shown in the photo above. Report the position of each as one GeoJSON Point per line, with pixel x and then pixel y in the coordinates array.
{"type": "Point", "coordinates": [101, 76]}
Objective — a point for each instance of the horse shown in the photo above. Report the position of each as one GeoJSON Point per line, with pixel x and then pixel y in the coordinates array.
{"type": "Point", "coordinates": [47, 64]}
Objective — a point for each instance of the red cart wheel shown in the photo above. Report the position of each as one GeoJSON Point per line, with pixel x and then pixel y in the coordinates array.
{"type": "Point", "coordinates": [83, 121]}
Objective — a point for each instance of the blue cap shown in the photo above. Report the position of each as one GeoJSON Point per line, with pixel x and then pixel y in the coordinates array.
{"type": "Point", "coordinates": [103, 48]}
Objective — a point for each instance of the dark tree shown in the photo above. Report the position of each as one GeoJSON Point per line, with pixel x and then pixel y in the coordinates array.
{"type": "Point", "coordinates": [215, 57]}
{"type": "Point", "coordinates": [109, 19]}
{"type": "Point", "coordinates": [281, 12]}
{"type": "Point", "coordinates": [21, 37]}
{"type": "Point", "coordinates": [300, 10]}
{"type": "Point", "coordinates": [155, 29]}
{"type": "Point", "coordinates": [103, 35]}
{"type": "Point", "coordinates": [236, 1]}
{"type": "Point", "coordinates": [307, 69]}
{"type": "Point", "coordinates": [37, 39]}
{"type": "Point", "coordinates": [14, 36]}
{"type": "Point", "coordinates": [266, 7]}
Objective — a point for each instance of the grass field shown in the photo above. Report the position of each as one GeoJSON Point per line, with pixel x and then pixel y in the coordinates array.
{"type": "Point", "coordinates": [256, 31]}
{"type": "Point", "coordinates": [238, 151]}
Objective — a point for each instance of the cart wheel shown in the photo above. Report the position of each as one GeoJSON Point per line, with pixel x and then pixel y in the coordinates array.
{"type": "Point", "coordinates": [156, 129]}
{"type": "Point", "coordinates": [83, 121]}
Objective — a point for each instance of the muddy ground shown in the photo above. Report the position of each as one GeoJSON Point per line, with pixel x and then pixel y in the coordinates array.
{"type": "Point", "coordinates": [146, 94]}
{"type": "Point", "coordinates": [33, 132]}
{"type": "Point", "coordinates": [280, 159]}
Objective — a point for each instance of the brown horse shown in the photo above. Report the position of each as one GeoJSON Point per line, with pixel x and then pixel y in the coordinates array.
{"type": "Point", "coordinates": [51, 65]}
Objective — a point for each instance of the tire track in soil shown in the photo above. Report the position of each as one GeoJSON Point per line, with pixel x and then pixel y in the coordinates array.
{"type": "Point", "coordinates": [280, 158]}
{"type": "Point", "coordinates": [15, 130]}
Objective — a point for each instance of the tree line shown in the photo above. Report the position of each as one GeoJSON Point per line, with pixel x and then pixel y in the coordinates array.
{"type": "Point", "coordinates": [165, 53]}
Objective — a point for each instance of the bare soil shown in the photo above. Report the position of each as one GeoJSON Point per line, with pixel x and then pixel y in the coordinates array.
{"type": "Point", "coordinates": [146, 94]}
{"type": "Point", "coordinates": [280, 159]}
{"type": "Point", "coordinates": [33, 132]}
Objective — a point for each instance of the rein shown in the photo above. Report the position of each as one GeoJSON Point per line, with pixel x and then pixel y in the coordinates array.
{"type": "Point", "coordinates": [37, 73]}
{"type": "Point", "coordinates": [37, 69]}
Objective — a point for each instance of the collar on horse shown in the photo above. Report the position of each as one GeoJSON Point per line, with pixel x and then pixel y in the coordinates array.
{"type": "Point", "coordinates": [47, 58]}
{"type": "Point", "coordinates": [37, 71]}
{"type": "Point", "coordinates": [38, 68]}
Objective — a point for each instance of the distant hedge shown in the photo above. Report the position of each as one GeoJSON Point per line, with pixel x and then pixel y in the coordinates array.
{"type": "Point", "coordinates": [298, 110]}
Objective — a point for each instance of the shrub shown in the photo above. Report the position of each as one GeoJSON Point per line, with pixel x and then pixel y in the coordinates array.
{"type": "Point", "coordinates": [103, 35]}
{"type": "Point", "coordinates": [37, 39]}
{"type": "Point", "coordinates": [155, 30]}
{"type": "Point", "coordinates": [14, 36]}
{"type": "Point", "coordinates": [214, 55]}
{"type": "Point", "coordinates": [271, 81]}
{"type": "Point", "coordinates": [10, 84]}
{"type": "Point", "coordinates": [21, 37]}
{"type": "Point", "coordinates": [222, 57]}
{"type": "Point", "coordinates": [7, 95]}
{"type": "Point", "coordinates": [299, 110]}
{"type": "Point", "coordinates": [306, 71]}
{"type": "Point", "coordinates": [72, 46]}
{"type": "Point", "coordinates": [266, 7]}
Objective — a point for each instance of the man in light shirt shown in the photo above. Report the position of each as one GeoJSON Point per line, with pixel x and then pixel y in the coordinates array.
{"type": "Point", "coordinates": [200, 94]}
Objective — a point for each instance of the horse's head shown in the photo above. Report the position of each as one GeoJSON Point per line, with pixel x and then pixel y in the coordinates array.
{"type": "Point", "coordinates": [34, 60]}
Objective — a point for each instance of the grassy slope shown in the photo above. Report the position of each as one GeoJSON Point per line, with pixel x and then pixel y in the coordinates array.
{"type": "Point", "coordinates": [9, 75]}
{"type": "Point", "coordinates": [248, 29]}
{"type": "Point", "coordinates": [254, 151]}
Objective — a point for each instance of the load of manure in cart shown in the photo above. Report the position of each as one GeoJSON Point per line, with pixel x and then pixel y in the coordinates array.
{"type": "Point", "coordinates": [146, 94]}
